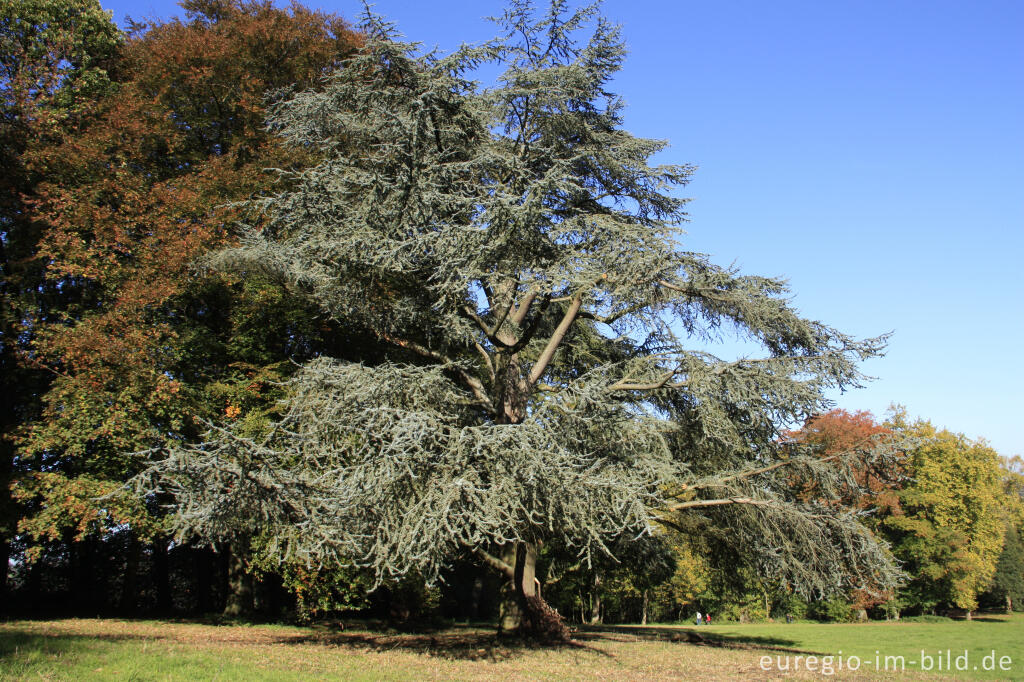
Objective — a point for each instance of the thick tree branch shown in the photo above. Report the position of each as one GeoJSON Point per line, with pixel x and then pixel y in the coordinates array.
{"type": "Point", "coordinates": [524, 307]}
{"type": "Point", "coordinates": [471, 314]}
{"type": "Point", "coordinates": [491, 331]}
{"type": "Point", "coordinates": [531, 329]}
{"type": "Point", "coordinates": [506, 309]}
{"type": "Point", "coordinates": [661, 382]}
{"type": "Point", "coordinates": [610, 319]}
{"type": "Point", "coordinates": [555, 341]}
{"type": "Point", "coordinates": [692, 504]}
{"type": "Point", "coordinates": [487, 359]}
{"type": "Point", "coordinates": [778, 465]}
{"type": "Point", "coordinates": [496, 563]}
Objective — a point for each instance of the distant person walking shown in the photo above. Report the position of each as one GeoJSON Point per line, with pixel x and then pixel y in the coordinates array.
{"type": "Point", "coordinates": [698, 618]}
{"type": "Point", "coordinates": [707, 619]}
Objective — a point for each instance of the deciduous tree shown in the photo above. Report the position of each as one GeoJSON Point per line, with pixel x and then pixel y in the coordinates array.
{"type": "Point", "coordinates": [948, 529]}
{"type": "Point", "coordinates": [56, 61]}
{"type": "Point", "coordinates": [139, 343]}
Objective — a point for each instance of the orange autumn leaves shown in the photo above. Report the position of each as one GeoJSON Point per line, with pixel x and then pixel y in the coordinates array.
{"type": "Point", "coordinates": [130, 196]}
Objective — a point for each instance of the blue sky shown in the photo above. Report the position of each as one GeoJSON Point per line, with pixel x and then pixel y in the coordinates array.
{"type": "Point", "coordinates": [872, 152]}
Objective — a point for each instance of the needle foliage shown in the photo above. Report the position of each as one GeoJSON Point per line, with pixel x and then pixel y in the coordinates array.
{"type": "Point", "coordinates": [519, 254]}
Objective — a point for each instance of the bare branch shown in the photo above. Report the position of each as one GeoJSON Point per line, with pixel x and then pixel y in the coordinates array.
{"type": "Point", "coordinates": [495, 562]}
{"type": "Point", "coordinates": [715, 503]}
{"type": "Point", "coordinates": [556, 339]}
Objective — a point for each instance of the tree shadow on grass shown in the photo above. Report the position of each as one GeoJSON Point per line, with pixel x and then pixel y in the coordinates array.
{"type": "Point", "coordinates": [464, 643]}
{"type": "Point", "coordinates": [483, 644]}
{"type": "Point", "coordinates": [459, 642]}
{"type": "Point", "coordinates": [688, 636]}
{"type": "Point", "coordinates": [995, 618]}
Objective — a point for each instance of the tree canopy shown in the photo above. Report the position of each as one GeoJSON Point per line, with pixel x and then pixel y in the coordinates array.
{"type": "Point", "coordinates": [546, 381]}
{"type": "Point", "coordinates": [950, 523]}
{"type": "Point", "coordinates": [123, 150]}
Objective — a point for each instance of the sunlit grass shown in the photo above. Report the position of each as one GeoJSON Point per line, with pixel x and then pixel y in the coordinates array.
{"type": "Point", "coordinates": [162, 650]}
{"type": "Point", "coordinates": [992, 636]}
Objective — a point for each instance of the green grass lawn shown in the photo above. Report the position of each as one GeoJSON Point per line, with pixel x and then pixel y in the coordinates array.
{"type": "Point", "coordinates": [105, 649]}
{"type": "Point", "coordinates": [870, 643]}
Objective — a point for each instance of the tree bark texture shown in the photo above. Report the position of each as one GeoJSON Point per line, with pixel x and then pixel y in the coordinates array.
{"type": "Point", "coordinates": [240, 601]}
{"type": "Point", "coordinates": [595, 600]}
{"type": "Point", "coordinates": [162, 575]}
{"type": "Point", "coordinates": [523, 611]}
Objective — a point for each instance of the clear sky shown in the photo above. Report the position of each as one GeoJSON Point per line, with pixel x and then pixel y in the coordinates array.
{"type": "Point", "coordinates": [872, 152]}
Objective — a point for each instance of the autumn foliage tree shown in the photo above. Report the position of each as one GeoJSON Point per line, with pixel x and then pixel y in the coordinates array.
{"type": "Point", "coordinates": [140, 344]}
{"type": "Point", "coordinates": [874, 485]}
{"type": "Point", "coordinates": [57, 59]}
{"type": "Point", "coordinates": [839, 433]}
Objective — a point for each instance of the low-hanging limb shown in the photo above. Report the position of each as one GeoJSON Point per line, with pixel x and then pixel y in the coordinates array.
{"type": "Point", "coordinates": [683, 487]}
{"type": "Point", "coordinates": [785, 462]}
{"type": "Point", "coordinates": [718, 502]}
{"type": "Point", "coordinates": [474, 384]}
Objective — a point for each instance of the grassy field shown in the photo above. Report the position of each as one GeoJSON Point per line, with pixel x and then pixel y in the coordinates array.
{"type": "Point", "coordinates": [163, 650]}
{"type": "Point", "coordinates": [955, 648]}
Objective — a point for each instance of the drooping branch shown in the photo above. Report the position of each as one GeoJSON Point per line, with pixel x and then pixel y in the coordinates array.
{"type": "Point", "coordinates": [792, 460]}
{"type": "Point", "coordinates": [473, 383]}
{"type": "Point", "coordinates": [664, 381]}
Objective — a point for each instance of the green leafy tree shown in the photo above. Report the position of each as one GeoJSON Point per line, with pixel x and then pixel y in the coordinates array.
{"type": "Point", "coordinates": [616, 588]}
{"type": "Point", "coordinates": [519, 255]}
{"type": "Point", "coordinates": [947, 528]}
{"type": "Point", "coordinates": [1013, 489]}
{"type": "Point", "coordinates": [676, 598]}
{"type": "Point", "coordinates": [1007, 586]}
